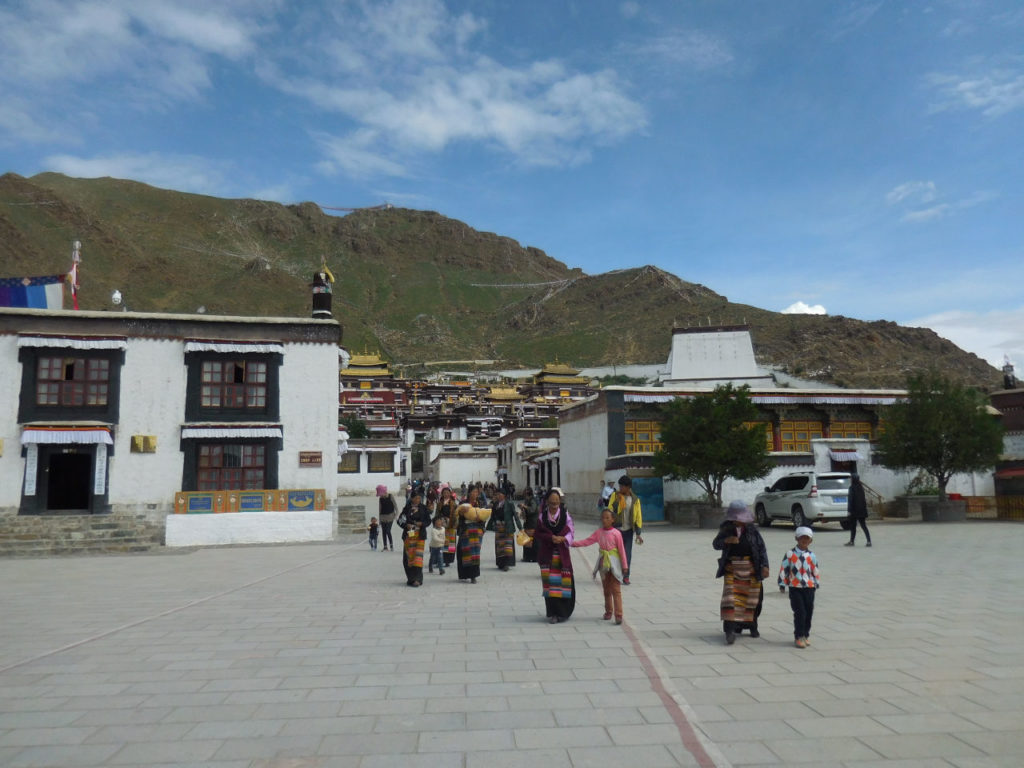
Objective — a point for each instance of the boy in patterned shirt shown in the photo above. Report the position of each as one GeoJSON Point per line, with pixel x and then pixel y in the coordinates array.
{"type": "Point", "coordinates": [799, 572]}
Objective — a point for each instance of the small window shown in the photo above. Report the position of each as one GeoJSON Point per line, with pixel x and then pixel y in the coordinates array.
{"type": "Point", "coordinates": [232, 466]}
{"type": "Point", "coordinates": [349, 463]}
{"type": "Point", "coordinates": [381, 462]}
{"type": "Point", "coordinates": [235, 384]}
{"type": "Point", "coordinates": [72, 381]}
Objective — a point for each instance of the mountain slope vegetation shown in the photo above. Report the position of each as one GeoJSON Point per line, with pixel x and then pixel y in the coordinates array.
{"type": "Point", "coordinates": [416, 285]}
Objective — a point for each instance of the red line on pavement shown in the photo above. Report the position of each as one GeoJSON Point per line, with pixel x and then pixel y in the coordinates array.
{"type": "Point", "coordinates": [683, 725]}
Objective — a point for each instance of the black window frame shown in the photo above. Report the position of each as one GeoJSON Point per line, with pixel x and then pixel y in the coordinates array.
{"type": "Point", "coordinates": [190, 465]}
{"type": "Point", "coordinates": [29, 410]}
{"type": "Point", "coordinates": [194, 411]}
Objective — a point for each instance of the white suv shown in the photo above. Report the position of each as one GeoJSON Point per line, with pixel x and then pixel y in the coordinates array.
{"type": "Point", "coordinates": [805, 498]}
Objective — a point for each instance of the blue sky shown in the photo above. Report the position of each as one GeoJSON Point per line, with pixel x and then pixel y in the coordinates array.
{"type": "Point", "coordinates": [859, 158]}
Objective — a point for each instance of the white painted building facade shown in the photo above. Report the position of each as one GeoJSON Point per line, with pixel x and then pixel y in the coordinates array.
{"type": "Point", "coordinates": [105, 412]}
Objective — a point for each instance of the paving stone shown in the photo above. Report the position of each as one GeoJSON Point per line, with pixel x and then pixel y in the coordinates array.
{"type": "Point", "coordinates": [368, 677]}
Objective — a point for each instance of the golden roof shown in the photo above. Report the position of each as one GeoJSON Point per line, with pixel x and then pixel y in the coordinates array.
{"type": "Point", "coordinates": [504, 393]}
{"type": "Point", "coordinates": [366, 365]}
{"type": "Point", "coordinates": [558, 369]}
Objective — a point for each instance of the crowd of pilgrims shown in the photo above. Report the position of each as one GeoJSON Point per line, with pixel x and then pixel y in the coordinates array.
{"type": "Point", "coordinates": [444, 525]}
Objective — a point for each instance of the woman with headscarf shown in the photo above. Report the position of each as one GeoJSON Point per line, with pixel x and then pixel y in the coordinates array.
{"type": "Point", "coordinates": [414, 521]}
{"type": "Point", "coordinates": [744, 564]}
{"type": "Point", "coordinates": [446, 509]}
{"type": "Point", "coordinates": [553, 536]}
{"type": "Point", "coordinates": [470, 517]}
{"type": "Point", "coordinates": [387, 509]}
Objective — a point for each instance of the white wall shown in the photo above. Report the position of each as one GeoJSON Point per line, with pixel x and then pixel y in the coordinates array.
{"type": "Point", "coordinates": [729, 354]}
{"type": "Point", "coordinates": [456, 468]}
{"type": "Point", "coordinates": [583, 448]}
{"type": "Point", "coordinates": [12, 466]}
{"type": "Point", "coordinates": [152, 402]}
{"type": "Point", "coordinates": [309, 413]}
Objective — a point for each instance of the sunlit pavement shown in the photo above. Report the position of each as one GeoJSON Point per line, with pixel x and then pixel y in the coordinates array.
{"type": "Point", "coordinates": [319, 655]}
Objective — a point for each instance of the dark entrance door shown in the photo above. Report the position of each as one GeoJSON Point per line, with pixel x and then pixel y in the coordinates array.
{"type": "Point", "coordinates": [69, 481]}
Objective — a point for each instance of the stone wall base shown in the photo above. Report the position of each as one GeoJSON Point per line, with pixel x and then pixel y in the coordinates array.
{"type": "Point", "coordinates": [944, 511]}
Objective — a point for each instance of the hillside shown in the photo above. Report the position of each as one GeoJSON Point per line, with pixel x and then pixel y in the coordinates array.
{"type": "Point", "coordinates": [415, 284]}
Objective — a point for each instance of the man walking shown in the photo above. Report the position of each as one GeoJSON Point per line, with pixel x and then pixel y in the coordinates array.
{"type": "Point", "coordinates": [625, 505]}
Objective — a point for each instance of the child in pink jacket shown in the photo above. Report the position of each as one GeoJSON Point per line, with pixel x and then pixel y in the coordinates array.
{"type": "Point", "coordinates": [611, 562]}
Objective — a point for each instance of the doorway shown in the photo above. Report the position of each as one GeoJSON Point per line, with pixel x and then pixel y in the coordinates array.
{"type": "Point", "coordinates": [68, 481]}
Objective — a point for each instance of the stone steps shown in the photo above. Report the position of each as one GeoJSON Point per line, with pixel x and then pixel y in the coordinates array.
{"type": "Point", "coordinates": [77, 534]}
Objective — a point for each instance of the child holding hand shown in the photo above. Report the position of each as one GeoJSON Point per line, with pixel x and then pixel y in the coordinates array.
{"type": "Point", "coordinates": [611, 563]}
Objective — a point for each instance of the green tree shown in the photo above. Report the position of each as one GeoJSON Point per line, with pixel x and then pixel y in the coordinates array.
{"type": "Point", "coordinates": [942, 428]}
{"type": "Point", "coordinates": [356, 427]}
{"type": "Point", "coordinates": [709, 438]}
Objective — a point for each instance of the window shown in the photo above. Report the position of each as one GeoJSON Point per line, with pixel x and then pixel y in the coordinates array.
{"type": "Point", "coordinates": [72, 381]}
{"type": "Point", "coordinates": [232, 466]}
{"type": "Point", "coordinates": [643, 436]}
{"type": "Point", "coordinates": [349, 463]}
{"type": "Point", "coordinates": [234, 384]}
{"type": "Point", "coordinates": [797, 435]}
{"type": "Point", "coordinates": [861, 429]}
{"type": "Point", "coordinates": [379, 461]}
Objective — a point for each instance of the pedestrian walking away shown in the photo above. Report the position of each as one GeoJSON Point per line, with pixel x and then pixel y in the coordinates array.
{"type": "Point", "coordinates": [857, 508]}
{"type": "Point", "coordinates": [504, 522]}
{"type": "Point", "coordinates": [743, 565]}
{"type": "Point", "coordinates": [800, 573]}
{"type": "Point", "coordinates": [625, 505]}
{"type": "Point", "coordinates": [554, 537]}
{"type": "Point", "coordinates": [387, 510]}
{"type": "Point", "coordinates": [611, 563]}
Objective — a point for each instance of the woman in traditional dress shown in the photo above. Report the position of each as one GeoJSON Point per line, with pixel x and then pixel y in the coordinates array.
{"type": "Point", "coordinates": [470, 521]}
{"type": "Point", "coordinates": [744, 563]}
{"type": "Point", "coordinates": [446, 508]}
{"type": "Point", "coordinates": [553, 536]}
{"type": "Point", "coordinates": [414, 521]}
{"type": "Point", "coordinates": [504, 522]}
{"type": "Point", "coordinates": [529, 510]}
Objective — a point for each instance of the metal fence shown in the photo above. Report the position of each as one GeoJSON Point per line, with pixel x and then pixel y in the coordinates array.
{"type": "Point", "coordinates": [995, 507]}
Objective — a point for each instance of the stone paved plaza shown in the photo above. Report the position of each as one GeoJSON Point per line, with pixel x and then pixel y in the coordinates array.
{"type": "Point", "coordinates": [319, 655]}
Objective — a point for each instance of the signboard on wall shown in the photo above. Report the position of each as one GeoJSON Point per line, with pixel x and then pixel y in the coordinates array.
{"type": "Point", "coordinates": [311, 458]}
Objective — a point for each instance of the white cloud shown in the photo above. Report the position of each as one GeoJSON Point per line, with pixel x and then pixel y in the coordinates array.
{"type": "Point", "coordinates": [945, 209]}
{"type": "Point", "coordinates": [411, 88]}
{"type": "Point", "coordinates": [60, 57]}
{"type": "Point", "coordinates": [993, 94]}
{"type": "Point", "coordinates": [354, 155]}
{"type": "Point", "coordinates": [915, 191]}
{"type": "Point", "coordinates": [990, 335]}
{"type": "Point", "coordinates": [629, 9]}
{"type": "Point", "coordinates": [853, 18]}
{"type": "Point", "coordinates": [800, 308]}
{"type": "Point", "coordinates": [186, 173]}
{"type": "Point", "coordinates": [914, 194]}
{"type": "Point", "coordinates": [690, 48]}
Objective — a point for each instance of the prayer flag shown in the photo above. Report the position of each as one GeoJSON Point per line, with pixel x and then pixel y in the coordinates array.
{"type": "Point", "coordinates": [32, 292]}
